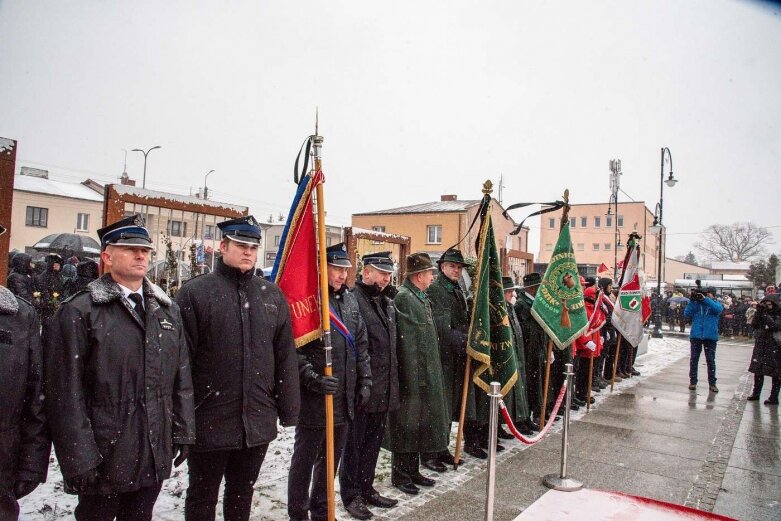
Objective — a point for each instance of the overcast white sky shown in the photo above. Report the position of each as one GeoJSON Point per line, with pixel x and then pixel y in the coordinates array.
{"type": "Point", "coordinates": [416, 99]}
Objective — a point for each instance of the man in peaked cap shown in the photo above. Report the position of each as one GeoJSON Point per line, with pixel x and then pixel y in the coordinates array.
{"type": "Point", "coordinates": [118, 385]}
{"type": "Point", "coordinates": [535, 341]}
{"type": "Point", "coordinates": [245, 373]}
{"type": "Point", "coordinates": [421, 424]}
{"type": "Point", "coordinates": [364, 437]}
{"type": "Point", "coordinates": [24, 445]}
{"type": "Point", "coordinates": [350, 385]}
{"type": "Point", "coordinates": [517, 399]}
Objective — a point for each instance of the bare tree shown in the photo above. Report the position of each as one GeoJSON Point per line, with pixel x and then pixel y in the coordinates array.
{"type": "Point", "coordinates": [735, 242]}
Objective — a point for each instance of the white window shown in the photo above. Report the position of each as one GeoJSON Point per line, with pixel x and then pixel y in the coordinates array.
{"type": "Point", "coordinates": [595, 246]}
{"type": "Point", "coordinates": [208, 231]}
{"type": "Point", "coordinates": [597, 221]}
{"type": "Point", "coordinates": [276, 240]}
{"type": "Point", "coordinates": [551, 222]}
{"type": "Point", "coordinates": [608, 221]}
{"type": "Point", "coordinates": [620, 221]}
{"type": "Point", "coordinates": [608, 246]}
{"type": "Point", "coordinates": [82, 222]}
{"type": "Point", "coordinates": [581, 246]}
{"type": "Point", "coordinates": [584, 222]}
{"type": "Point", "coordinates": [378, 229]}
{"type": "Point", "coordinates": [573, 221]}
{"type": "Point", "coordinates": [434, 234]}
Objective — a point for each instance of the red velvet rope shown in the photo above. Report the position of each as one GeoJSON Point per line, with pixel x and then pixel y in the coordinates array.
{"type": "Point", "coordinates": [534, 439]}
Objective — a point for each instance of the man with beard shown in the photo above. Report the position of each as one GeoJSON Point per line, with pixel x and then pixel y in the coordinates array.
{"type": "Point", "coordinates": [364, 437]}
{"type": "Point", "coordinates": [421, 424]}
{"type": "Point", "coordinates": [350, 385]}
{"type": "Point", "coordinates": [118, 387]}
{"type": "Point", "coordinates": [245, 373]}
{"type": "Point", "coordinates": [24, 445]}
{"type": "Point", "coordinates": [451, 315]}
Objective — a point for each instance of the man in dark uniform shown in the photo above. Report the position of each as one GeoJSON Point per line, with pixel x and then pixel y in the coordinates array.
{"type": "Point", "coordinates": [350, 386]}
{"type": "Point", "coordinates": [535, 341]}
{"type": "Point", "coordinates": [451, 315]}
{"type": "Point", "coordinates": [517, 399]}
{"type": "Point", "coordinates": [245, 373]}
{"type": "Point", "coordinates": [118, 386]}
{"type": "Point", "coordinates": [366, 431]}
{"type": "Point", "coordinates": [24, 444]}
{"type": "Point", "coordinates": [421, 424]}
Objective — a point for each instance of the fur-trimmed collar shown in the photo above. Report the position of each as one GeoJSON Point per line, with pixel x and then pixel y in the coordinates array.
{"type": "Point", "coordinates": [8, 303]}
{"type": "Point", "coordinates": [105, 290]}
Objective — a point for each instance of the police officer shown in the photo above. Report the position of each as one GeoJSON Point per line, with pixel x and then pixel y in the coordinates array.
{"type": "Point", "coordinates": [24, 445]}
{"type": "Point", "coordinates": [245, 373]}
{"type": "Point", "coordinates": [350, 385]}
{"type": "Point", "coordinates": [421, 424]}
{"type": "Point", "coordinates": [366, 431]}
{"type": "Point", "coordinates": [118, 386]}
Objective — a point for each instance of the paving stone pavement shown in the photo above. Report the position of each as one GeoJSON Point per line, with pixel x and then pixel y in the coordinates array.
{"type": "Point", "coordinates": [653, 437]}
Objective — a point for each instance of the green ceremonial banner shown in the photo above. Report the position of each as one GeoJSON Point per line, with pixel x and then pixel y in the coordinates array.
{"type": "Point", "coordinates": [558, 306]}
{"type": "Point", "coordinates": [490, 334]}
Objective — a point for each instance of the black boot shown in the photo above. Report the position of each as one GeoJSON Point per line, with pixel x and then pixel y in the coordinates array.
{"type": "Point", "coordinates": [758, 381]}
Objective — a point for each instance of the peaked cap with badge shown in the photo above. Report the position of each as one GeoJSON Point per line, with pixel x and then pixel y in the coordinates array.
{"type": "Point", "coordinates": [242, 229]}
{"type": "Point", "coordinates": [381, 261]}
{"type": "Point", "coordinates": [452, 255]}
{"type": "Point", "coordinates": [336, 255]}
{"type": "Point", "coordinates": [129, 231]}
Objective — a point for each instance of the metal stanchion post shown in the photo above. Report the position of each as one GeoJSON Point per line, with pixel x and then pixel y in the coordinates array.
{"type": "Point", "coordinates": [561, 481]}
{"type": "Point", "coordinates": [493, 426]}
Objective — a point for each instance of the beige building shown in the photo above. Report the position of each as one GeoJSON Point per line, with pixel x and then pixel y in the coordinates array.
{"type": "Point", "coordinates": [435, 226]}
{"type": "Point", "coordinates": [43, 206]}
{"type": "Point", "coordinates": [594, 234]}
{"type": "Point", "coordinates": [676, 270]}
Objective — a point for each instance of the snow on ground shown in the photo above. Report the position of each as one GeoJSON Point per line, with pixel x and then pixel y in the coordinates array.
{"type": "Point", "coordinates": [50, 502]}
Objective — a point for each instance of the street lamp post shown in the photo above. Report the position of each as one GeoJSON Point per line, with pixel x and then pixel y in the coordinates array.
{"type": "Point", "coordinates": [146, 153]}
{"type": "Point", "coordinates": [615, 186]}
{"type": "Point", "coordinates": [658, 228]}
{"type": "Point", "coordinates": [205, 188]}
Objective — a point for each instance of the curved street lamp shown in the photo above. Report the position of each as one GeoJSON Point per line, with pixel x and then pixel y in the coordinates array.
{"type": "Point", "coordinates": [658, 228]}
{"type": "Point", "coordinates": [205, 188]}
{"type": "Point", "coordinates": [146, 153]}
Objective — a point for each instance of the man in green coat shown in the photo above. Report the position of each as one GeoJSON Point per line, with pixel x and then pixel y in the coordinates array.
{"type": "Point", "coordinates": [420, 425]}
{"type": "Point", "coordinates": [451, 315]}
{"type": "Point", "coordinates": [517, 400]}
{"type": "Point", "coordinates": [535, 341]}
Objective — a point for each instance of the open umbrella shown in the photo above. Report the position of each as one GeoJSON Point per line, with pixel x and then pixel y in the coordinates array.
{"type": "Point", "coordinates": [678, 300]}
{"type": "Point", "coordinates": [69, 244]}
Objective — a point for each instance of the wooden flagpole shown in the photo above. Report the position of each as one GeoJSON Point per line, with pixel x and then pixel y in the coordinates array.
{"type": "Point", "coordinates": [462, 413]}
{"type": "Point", "coordinates": [545, 386]}
{"type": "Point", "coordinates": [325, 323]}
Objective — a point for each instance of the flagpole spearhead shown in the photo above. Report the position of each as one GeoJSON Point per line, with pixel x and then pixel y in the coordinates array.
{"type": "Point", "coordinates": [565, 209]}
{"type": "Point", "coordinates": [488, 187]}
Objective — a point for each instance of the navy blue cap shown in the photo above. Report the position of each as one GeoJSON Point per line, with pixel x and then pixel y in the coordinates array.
{"type": "Point", "coordinates": [243, 229]}
{"type": "Point", "coordinates": [381, 260]}
{"type": "Point", "coordinates": [336, 255]}
{"type": "Point", "coordinates": [129, 231]}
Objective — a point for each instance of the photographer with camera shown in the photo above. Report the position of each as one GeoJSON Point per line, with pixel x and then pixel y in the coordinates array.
{"type": "Point", "coordinates": [704, 311]}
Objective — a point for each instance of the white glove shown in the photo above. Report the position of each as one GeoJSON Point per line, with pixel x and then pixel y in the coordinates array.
{"type": "Point", "coordinates": [591, 345]}
{"type": "Point", "coordinates": [552, 358]}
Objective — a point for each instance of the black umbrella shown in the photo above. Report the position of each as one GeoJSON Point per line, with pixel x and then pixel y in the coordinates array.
{"type": "Point", "coordinates": [68, 244]}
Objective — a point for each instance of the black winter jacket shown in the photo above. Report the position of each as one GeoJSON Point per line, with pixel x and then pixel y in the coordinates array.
{"type": "Point", "coordinates": [352, 369]}
{"type": "Point", "coordinates": [766, 357]}
{"type": "Point", "coordinates": [119, 391]}
{"type": "Point", "coordinates": [24, 444]}
{"type": "Point", "coordinates": [379, 315]}
{"type": "Point", "coordinates": [245, 371]}
{"type": "Point", "coordinates": [20, 280]}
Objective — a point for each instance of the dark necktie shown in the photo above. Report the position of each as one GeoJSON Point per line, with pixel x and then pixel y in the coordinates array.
{"type": "Point", "coordinates": [138, 300]}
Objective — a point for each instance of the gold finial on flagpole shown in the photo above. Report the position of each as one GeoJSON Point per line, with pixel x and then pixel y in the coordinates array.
{"type": "Point", "coordinates": [488, 187]}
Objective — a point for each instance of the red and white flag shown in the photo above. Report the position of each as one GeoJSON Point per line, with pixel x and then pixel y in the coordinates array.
{"type": "Point", "coordinates": [628, 311]}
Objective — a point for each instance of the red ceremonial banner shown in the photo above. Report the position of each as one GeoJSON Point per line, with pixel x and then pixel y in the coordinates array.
{"type": "Point", "coordinates": [295, 270]}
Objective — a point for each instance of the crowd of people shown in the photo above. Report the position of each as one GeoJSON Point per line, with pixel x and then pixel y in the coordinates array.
{"type": "Point", "coordinates": [127, 382]}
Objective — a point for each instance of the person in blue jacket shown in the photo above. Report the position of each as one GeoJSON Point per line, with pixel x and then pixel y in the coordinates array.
{"type": "Point", "coordinates": [704, 311]}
